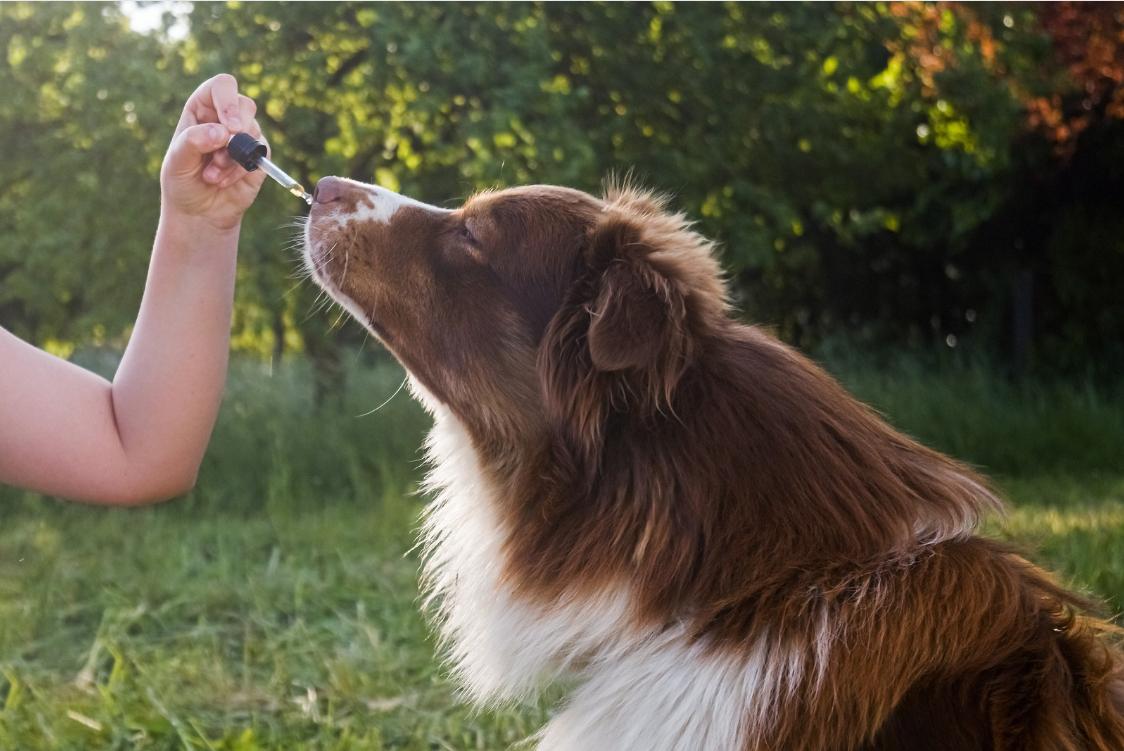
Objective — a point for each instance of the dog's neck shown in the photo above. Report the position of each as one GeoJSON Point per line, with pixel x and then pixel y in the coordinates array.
{"type": "Point", "coordinates": [762, 463]}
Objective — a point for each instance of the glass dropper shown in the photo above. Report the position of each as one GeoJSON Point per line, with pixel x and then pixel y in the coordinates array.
{"type": "Point", "coordinates": [251, 154]}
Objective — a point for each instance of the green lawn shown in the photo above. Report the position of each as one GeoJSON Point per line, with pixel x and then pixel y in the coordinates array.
{"type": "Point", "coordinates": [276, 607]}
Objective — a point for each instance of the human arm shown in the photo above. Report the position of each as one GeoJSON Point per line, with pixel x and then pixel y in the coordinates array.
{"type": "Point", "coordinates": [65, 431]}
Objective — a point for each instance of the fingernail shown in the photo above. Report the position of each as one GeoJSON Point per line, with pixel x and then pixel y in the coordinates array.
{"type": "Point", "coordinates": [214, 132]}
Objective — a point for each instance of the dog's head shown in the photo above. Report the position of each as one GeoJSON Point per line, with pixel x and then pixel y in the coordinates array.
{"type": "Point", "coordinates": [524, 309]}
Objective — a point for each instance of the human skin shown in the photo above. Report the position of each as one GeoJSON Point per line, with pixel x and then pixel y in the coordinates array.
{"type": "Point", "coordinates": [65, 431]}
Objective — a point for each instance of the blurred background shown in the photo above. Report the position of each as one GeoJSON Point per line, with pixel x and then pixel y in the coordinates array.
{"type": "Point", "coordinates": [927, 198]}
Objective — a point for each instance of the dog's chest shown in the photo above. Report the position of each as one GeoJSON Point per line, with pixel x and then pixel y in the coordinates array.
{"type": "Point", "coordinates": [499, 645]}
{"type": "Point", "coordinates": [651, 688]}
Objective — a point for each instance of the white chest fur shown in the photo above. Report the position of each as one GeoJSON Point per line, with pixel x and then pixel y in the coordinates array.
{"type": "Point", "coordinates": [647, 690]}
{"type": "Point", "coordinates": [500, 647]}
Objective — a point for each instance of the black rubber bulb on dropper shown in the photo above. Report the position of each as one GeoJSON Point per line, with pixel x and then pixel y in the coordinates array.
{"type": "Point", "coordinates": [251, 154]}
{"type": "Point", "coordinates": [246, 150]}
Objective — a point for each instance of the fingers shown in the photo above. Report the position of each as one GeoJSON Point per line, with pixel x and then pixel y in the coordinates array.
{"type": "Point", "coordinates": [222, 170]}
{"type": "Point", "coordinates": [193, 143]}
{"type": "Point", "coordinates": [216, 100]}
{"type": "Point", "coordinates": [215, 103]}
{"type": "Point", "coordinates": [222, 91]}
{"type": "Point", "coordinates": [246, 111]}
{"type": "Point", "coordinates": [247, 108]}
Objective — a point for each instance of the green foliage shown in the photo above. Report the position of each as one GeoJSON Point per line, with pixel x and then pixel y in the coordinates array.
{"type": "Point", "coordinates": [792, 136]}
{"type": "Point", "coordinates": [868, 168]}
{"type": "Point", "coordinates": [83, 125]}
{"type": "Point", "coordinates": [1022, 429]}
{"type": "Point", "coordinates": [277, 608]}
{"type": "Point", "coordinates": [273, 444]}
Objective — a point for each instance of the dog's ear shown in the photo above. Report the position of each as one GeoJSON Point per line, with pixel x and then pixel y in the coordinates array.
{"type": "Point", "coordinates": [621, 340]}
{"type": "Point", "coordinates": [637, 325]}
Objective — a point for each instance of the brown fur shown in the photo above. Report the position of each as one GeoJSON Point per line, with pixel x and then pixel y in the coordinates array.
{"type": "Point", "coordinates": [642, 435]}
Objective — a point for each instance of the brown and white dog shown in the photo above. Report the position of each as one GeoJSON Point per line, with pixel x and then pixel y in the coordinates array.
{"type": "Point", "coordinates": [691, 523]}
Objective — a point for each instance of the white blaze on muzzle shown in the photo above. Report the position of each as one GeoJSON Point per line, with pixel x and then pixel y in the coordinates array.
{"type": "Point", "coordinates": [383, 204]}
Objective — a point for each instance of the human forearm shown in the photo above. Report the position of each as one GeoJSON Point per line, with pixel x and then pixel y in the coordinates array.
{"type": "Point", "coordinates": [65, 431]}
{"type": "Point", "coordinates": [167, 391]}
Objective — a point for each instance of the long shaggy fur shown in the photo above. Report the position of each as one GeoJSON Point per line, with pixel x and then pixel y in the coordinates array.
{"type": "Point", "coordinates": [691, 523]}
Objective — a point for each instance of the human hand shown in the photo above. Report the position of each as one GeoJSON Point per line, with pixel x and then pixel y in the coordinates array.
{"type": "Point", "coordinates": [199, 180]}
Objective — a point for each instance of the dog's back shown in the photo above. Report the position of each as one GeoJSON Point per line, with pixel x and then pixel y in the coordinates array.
{"type": "Point", "coordinates": [1029, 672]}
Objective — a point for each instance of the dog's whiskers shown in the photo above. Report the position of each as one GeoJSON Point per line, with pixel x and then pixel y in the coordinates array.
{"type": "Point", "coordinates": [387, 401]}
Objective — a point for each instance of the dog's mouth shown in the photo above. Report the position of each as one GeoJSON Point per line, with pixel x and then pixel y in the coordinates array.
{"type": "Point", "coordinates": [327, 248]}
{"type": "Point", "coordinates": [319, 240]}
{"type": "Point", "coordinates": [315, 260]}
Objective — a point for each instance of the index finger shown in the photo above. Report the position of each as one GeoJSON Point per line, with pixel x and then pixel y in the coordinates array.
{"type": "Point", "coordinates": [216, 100]}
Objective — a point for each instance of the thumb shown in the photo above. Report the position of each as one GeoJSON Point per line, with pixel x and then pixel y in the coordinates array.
{"type": "Point", "coordinates": [192, 144]}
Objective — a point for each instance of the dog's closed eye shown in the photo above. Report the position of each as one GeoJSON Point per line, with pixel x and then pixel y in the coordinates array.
{"type": "Point", "coordinates": [471, 244]}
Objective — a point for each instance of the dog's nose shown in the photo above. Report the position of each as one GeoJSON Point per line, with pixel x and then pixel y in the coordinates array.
{"type": "Point", "coordinates": [328, 189]}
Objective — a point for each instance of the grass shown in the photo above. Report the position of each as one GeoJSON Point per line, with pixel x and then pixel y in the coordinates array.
{"type": "Point", "coordinates": [276, 606]}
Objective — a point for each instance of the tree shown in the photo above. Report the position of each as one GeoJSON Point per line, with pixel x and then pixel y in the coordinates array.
{"type": "Point", "coordinates": [919, 174]}
{"type": "Point", "coordinates": [84, 121]}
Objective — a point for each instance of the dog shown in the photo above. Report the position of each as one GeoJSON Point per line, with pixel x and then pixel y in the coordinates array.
{"type": "Point", "coordinates": [691, 524]}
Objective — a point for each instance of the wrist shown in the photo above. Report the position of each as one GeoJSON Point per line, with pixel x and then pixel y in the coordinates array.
{"type": "Point", "coordinates": [195, 240]}
{"type": "Point", "coordinates": [198, 229]}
